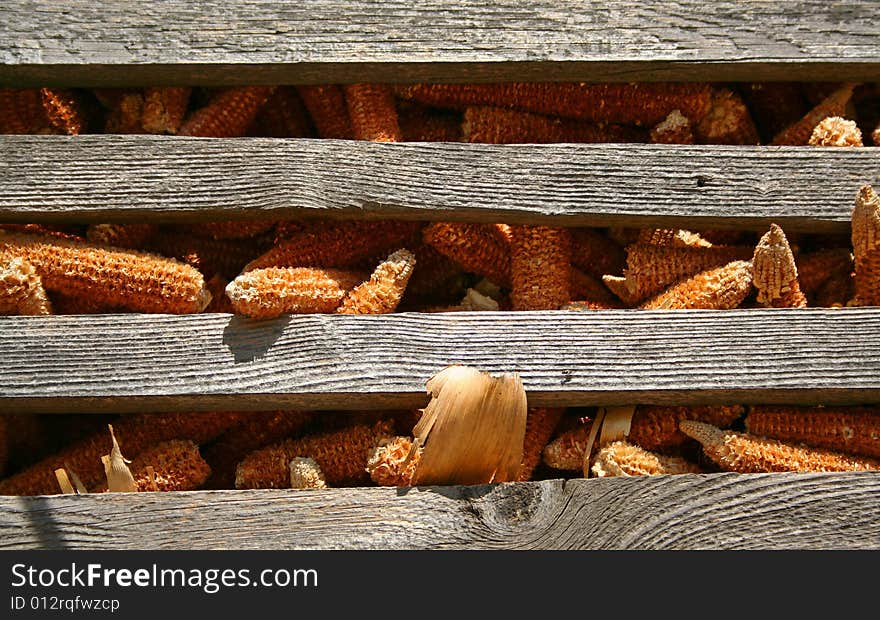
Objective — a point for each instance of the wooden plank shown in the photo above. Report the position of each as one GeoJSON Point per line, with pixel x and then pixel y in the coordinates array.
{"type": "Point", "coordinates": [113, 42]}
{"type": "Point", "coordinates": [714, 511]}
{"type": "Point", "coordinates": [126, 178]}
{"type": "Point", "coordinates": [135, 362]}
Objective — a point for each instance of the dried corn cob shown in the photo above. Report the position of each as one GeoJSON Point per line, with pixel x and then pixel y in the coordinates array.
{"type": "Point", "coordinates": [656, 427]}
{"type": "Point", "coordinates": [815, 268]}
{"type": "Point", "coordinates": [230, 229]}
{"type": "Point", "coordinates": [491, 125]}
{"type": "Point", "coordinates": [342, 456]}
{"type": "Point", "coordinates": [775, 273]}
{"type": "Point", "coordinates": [390, 464]}
{"type": "Point", "coordinates": [136, 280]}
{"type": "Point", "coordinates": [125, 111]}
{"type": "Point", "coordinates": [672, 236]}
{"type": "Point", "coordinates": [270, 292]}
{"type": "Point", "coordinates": [282, 116]}
{"type": "Point", "coordinates": [595, 253]}
{"type": "Point", "coordinates": [164, 109]}
{"type": "Point", "coordinates": [866, 246]}
{"type": "Point", "coordinates": [131, 236]}
{"type": "Point", "coordinates": [674, 129]}
{"type": "Point", "coordinates": [620, 458]}
{"type": "Point", "coordinates": [228, 114]}
{"type": "Point", "coordinates": [174, 465]}
{"type": "Point", "coordinates": [329, 112]}
{"type": "Point", "coordinates": [836, 131]}
{"type": "Point", "coordinates": [65, 110]}
{"type": "Point", "coordinates": [21, 290]}
{"type": "Point", "coordinates": [854, 430]}
{"type": "Point", "coordinates": [837, 292]}
{"type": "Point", "coordinates": [423, 124]}
{"type": "Point", "coordinates": [210, 256]}
{"type": "Point", "coordinates": [381, 294]}
{"type": "Point", "coordinates": [774, 105]}
{"type": "Point", "coordinates": [727, 122]}
{"type": "Point", "coordinates": [136, 433]}
{"type": "Point", "coordinates": [540, 267]}
{"type": "Point", "coordinates": [799, 133]}
{"type": "Point", "coordinates": [372, 112]}
{"type": "Point", "coordinates": [638, 104]}
{"type": "Point", "coordinates": [721, 288]}
{"type": "Point", "coordinates": [306, 474]}
{"type": "Point", "coordinates": [477, 248]}
{"type": "Point", "coordinates": [541, 422]}
{"type": "Point", "coordinates": [567, 450]}
{"type": "Point", "coordinates": [77, 304]}
{"type": "Point", "coordinates": [21, 111]}
{"type": "Point", "coordinates": [748, 454]}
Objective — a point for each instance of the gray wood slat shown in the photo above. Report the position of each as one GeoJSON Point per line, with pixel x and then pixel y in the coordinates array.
{"type": "Point", "coordinates": [126, 178]}
{"type": "Point", "coordinates": [114, 42]}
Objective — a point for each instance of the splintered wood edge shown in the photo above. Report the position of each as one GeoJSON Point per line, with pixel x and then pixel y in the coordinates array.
{"type": "Point", "coordinates": [706, 511]}
{"type": "Point", "coordinates": [137, 362]}
{"type": "Point", "coordinates": [100, 178]}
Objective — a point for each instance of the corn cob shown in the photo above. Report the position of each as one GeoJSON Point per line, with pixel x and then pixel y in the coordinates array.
{"type": "Point", "coordinates": [638, 104]}
{"type": "Point", "coordinates": [567, 450]}
{"type": "Point", "coordinates": [390, 464]}
{"type": "Point", "coordinates": [721, 288]}
{"type": "Point", "coordinates": [282, 116]}
{"type": "Point", "coordinates": [381, 294]}
{"type": "Point", "coordinates": [21, 111]}
{"type": "Point", "coordinates": [174, 465]}
{"type": "Point", "coordinates": [656, 427]}
{"type": "Point", "coordinates": [341, 455]}
{"type": "Point", "coordinates": [774, 105]}
{"type": "Point", "coordinates": [836, 131]}
{"type": "Point", "coordinates": [125, 111]}
{"type": "Point", "coordinates": [674, 129]}
{"type": "Point", "coordinates": [854, 430]}
{"type": "Point", "coordinates": [372, 112]}
{"type": "Point", "coordinates": [270, 292]}
{"type": "Point", "coordinates": [65, 110]}
{"type": "Point", "coordinates": [491, 125]}
{"type": "Point", "coordinates": [306, 474]}
{"type": "Point", "coordinates": [540, 267]}
{"type": "Point", "coordinates": [136, 433]}
{"type": "Point", "coordinates": [540, 425]}
{"type": "Point", "coordinates": [423, 124]}
{"type": "Point", "coordinates": [77, 304]}
{"type": "Point", "coordinates": [815, 268]}
{"type": "Point", "coordinates": [230, 229]}
{"type": "Point", "coordinates": [136, 280]}
{"type": "Point", "coordinates": [595, 253]}
{"type": "Point", "coordinates": [727, 122]}
{"type": "Point", "coordinates": [131, 236]}
{"type": "Point", "coordinates": [775, 272]}
{"type": "Point", "coordinates": [164, 109]}
{"type": "Point", "coordinates": [866, 246]}
{"type": "Point", "coordinates": [672, 236]}
{"type": "Point", "coordinates": [799, 132]}
{"type": "Point", "coordinates": [837, 292]}
{"type": "Point", "coordinates": [477, 248]}
{"type": "Point", "coordinates": [210, 256]}
{"type": "Point", "coordinates": [620, 458]}
{"type": "Point", "coordinates": [328, 109]}
{"type": "Point", "coordinates": [21, 290]}
{"type": "Point", "coordinates": [228, 114]}
{"type": "Point", "coordinates": [588, 290]}
{"type": "Point", "coordinates": [746, 454]}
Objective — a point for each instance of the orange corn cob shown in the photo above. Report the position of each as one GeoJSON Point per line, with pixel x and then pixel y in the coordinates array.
{"type": "Point", "coordinates": [329, 112]}
{"type": "Point", "coordinates": [230, 229]}
{"type": "Point", "coordinates": [270, 292]}
{"type": "Point", "coordinates": [342, 456]}
{"type": "Point", "coordinates": [866, 246]}
{"type": "Point", "coordinates": [836, 131]}
{"type": "Point", "coordinates": [125, 111]}
{"type": "Point", "coordinates": [540, 425]}
{"type": "Point", "coordinates": [477, 248]}
{"type": "Point", "coordinates": [721, 288]}
{"type": "Point", "coordinates": [210, 256]}
{"type": "Point", "coordinates": [595, 253]}
{"type": "Point", "coordinates": [390, 465]}
{"type": "Point", "coordinates": [491, 125]}
{"type": "Point", "coordinates": [638, 104]}
{"type": "Point", "coordinates": [837, 292]}
{"type": "Point", "coordinates": [727, 122]}
{"type": "Point", "coordinates": [540, 267]}
{"type": "Point", "coordinates": [136, 280]}
{"type": "Point", "coordinates": [854, 430]}
{"type": "Point", "coordinates": [283, 116]}
{"type": "Point", "coordinates": [338, 244]}
{"type": "Point", "coordinates": [21, 111]}
{"type": "Point", "coordinates": [228, 114]}
{"type": "Point", "coordinates": [21, 290]}
{"type": "Point", "coordinates": [135, 433]}
{"type": "Point", "coordinates": [748, 454]}
{"type": "Point", "coordinates": [381, 294]}
{"type": "Point", "coordinates": [815, 268]}
{"type": "Point", "coordinates": [671, 236]}
{"type": "Point", "coordinates": [775, 273]}
{"type": "Point", "coordinates": [620, 458]}
{"type": "Point", "coordinates": [674, 129]}
{"type": "Point", "coordinates": [651, 269]}
{"type": "Point", "coordinates": [422, 124]}
{"type": "Point", "coordinates": [164, 109]}
{"type": "Point", "coordinates": [588, 290]}
{"type": "Point", "coordinates": [65, 110]}
{"type": "Point", "coordinates": [567, 450]}
{"type": "Point", "coordinates": [216, 285]}
{"type": "Point", "coordinates": [656, 427]}
{"type": "Point", "coordinates": [799, 132]}
{"type": "Point", "coordinates": [131, 236]}
{"type": "Point", "coordinates": [372, 112]}
{"type": "Point", "coordinates": [306, 474]}
{"type": "Point", "coordinates": [174, 465]}
{"type": "Point", "coordinates": [774, 105]}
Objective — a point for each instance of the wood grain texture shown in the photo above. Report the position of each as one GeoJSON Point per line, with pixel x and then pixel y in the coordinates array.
{"type": "Point", "coordinates": [712, 511]}
{"type": "Point", "coordinates": [129, 178]}
{"type": "Point", "coordinates": [113, 42]}
{"type": "Point", "coordinates": [132, 362]}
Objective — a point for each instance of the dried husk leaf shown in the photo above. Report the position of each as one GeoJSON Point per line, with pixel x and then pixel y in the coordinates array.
{"type": "Point", "coordinates": [119, 477]}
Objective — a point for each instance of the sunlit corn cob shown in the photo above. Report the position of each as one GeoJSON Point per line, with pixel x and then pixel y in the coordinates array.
{"type": "Point", "coordinates": [540, 267]}
{"type": "Point", "coordinates": [337, 244]}
{"type": "Point", "coordinates": [815, 268]}
{"type": "Point", "coordinates": [174, 465]}
{"type": "Point", "coordinates": [423, 124]}
{"type": "Point", "coordinates": [164, 108]}
{"type": "Point", "coordinates": [328, 110]}
{"type": "Point", "coordinates": [381, 294]}
{"type": "Point", "coordinates": [135, 433]}
{"type": "Point", "coordinates": [595, 253]}
{"type": "Point", "coordinates": [64, 109]}
{"type": "Point", "coordinates": [22, 112]}
{"type": "Point", "coordinates": [567, 450]}
{"type": "Point", "coordinates": [836, 131]}
{"type": "Point", "coordinates": [799, 132]}
{"type": "Point", "coordinates": [656, 427]}
{"type": "Point", "coordinates": [210, 256]}
{"type": "Point", "coordinates": [305, 473]}
{"type": "Point", "coordinates": [674, 129]}
{"type": "Point", "coordinates": [270, 292]}
{"type": "Point", "coordinates": [477, 248]}
{"type": "Point", "coordinates": [492, 125]}
{"type": "Point", "coordinates": [775, 273]}
{"type": "Point", "coordinates": [672, 236]}
{"type": "Point", "coordinates": [136, 280]}
{"type": "Point", "coordinates": [230, 229]}
{"type": "Point", "coordinates": [866, 246]}
{"type": "Point", "coordinates": [727, 122]}
{"type": "Point", "coordinates": [639, 104]}
{"type": "Point", "coordinates": [390, 464]}
{"type": "Point", "coordinates": [131, 236]}
{"type": "Point", "coordinates": [746, 454]}
{"type": "Point", "coordinates": [342, 456]}
{"type": "Point", "coordinates": [282, 116]}
{"type": "Point", "coordinates": [541, 422]}
{"type": "Point", "coordinates": [651, 269]}
{"type": "Point", "coordinates": [854, 430]}
{"type": "Point", "coordinates": [228, 114]}
{"type": "Point", "coordinates": [620, 458]}
{"type": "Point", "coordinates": [125, 111]}
{"type": "Point", "coordinates": [721, 288]}
{"type": "Point", "coordinates": [21, 290]}
{"type": "Point", "coordinates": [590, 291]}
{"type": "Point", "coordinates": [774, 105]}
{"type": "Point", "coordinates": [372, 112]}
{"type": "Point", "coordinates": [838, 291]}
